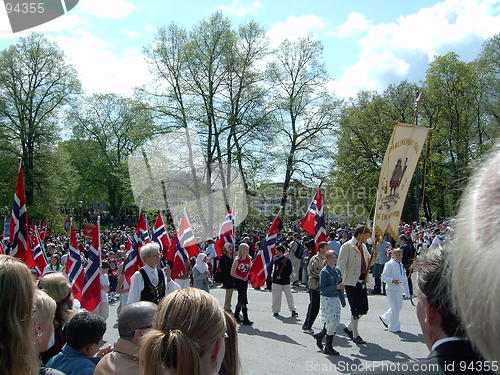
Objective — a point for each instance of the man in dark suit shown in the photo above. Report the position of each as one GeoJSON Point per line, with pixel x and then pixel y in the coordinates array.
{"type": "Point", "coordinates": [450, 351]}
{"type": "Point", "coordinates": [408, 257]}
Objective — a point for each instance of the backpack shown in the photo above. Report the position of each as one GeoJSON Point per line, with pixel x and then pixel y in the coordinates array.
{"type": "Point", "coordinates": [299, 250]}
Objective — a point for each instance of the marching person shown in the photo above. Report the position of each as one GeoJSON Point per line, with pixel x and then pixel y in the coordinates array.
{"type": "Point", "coordinates": [282, 270]}
{"type": "Point", "coordinates": [394, 275]}
{"type": "Point", "coordinates": [151, 283]}
{"type": "Point", "coordinates": [354, 263]}
{"type": "Point", "coordinates": [408, 257]}
{"type": "Point", "coordinates": [201, 272]}
{"type": "Point", "coordinates": [295, 256]}
{"type": "Point", "coordinates": [377, 269]}
{"type": "Point", "coordinates": [225, 264]}
{"type": "Point", "coordinates": [314, 268]}
{"type": "Point", "coordinates": [240, 271]}
{"type": "Point", "coordinates": [332, 299]}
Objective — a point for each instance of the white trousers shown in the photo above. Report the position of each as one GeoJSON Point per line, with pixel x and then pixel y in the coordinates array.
{"type": "Point", "coordinates": [277, 290]}
{"type": "Point", "coordinates": [391, 316]}
{"type": "Point", "coordinates": [296, 267]}
{"type": "Point", "coordinates": [102, 310]}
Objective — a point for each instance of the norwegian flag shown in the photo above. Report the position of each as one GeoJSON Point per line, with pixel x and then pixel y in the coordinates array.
{"type": "Point", "coordinates": [91, 291]}
{"type": "Point", "coordinates": [258, 271]}
{"type": "Point", "coordinates": [132, 260]}
{"type": "Point", "coordinates": [226, 233]}
{"type": "Point", "coordinates": [186, 236]}
{"type": "Point", "coordinates": [38, 251]}
{"type": "Point", "coordinates": [172, 248]}
{"type": "Point", "coordinates": [74, 265]}
{"type": "Point", "coordinates": [44, 231]}
{"type": "Point", "coordinates": [314, 220]}
{"type": "Point", "coordinates": [180, 258]}
{"type": "Point", "coordinates": [19, 224]}
{"type": "Point", "coordinates": [160, 236]}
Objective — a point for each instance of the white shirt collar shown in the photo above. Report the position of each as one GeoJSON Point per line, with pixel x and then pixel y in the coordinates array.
{"type": "Point", "coordinates": [149, 269]}
{"type": "Point", "coordinates": [446, 339]}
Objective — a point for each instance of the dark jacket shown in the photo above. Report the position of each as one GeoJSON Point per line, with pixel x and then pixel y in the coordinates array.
{"type": "Point", "coordinates": [282, 270]}
{"type": "Point", "coordinates": [449, 358]}
{"type": "Point", "coordinates": [225, 264]}
{"type": "Point", "coordinates": [408, 255]}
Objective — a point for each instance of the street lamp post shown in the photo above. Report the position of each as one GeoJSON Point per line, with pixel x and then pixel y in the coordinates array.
{"type": "Point", "coordinates": [81, 214]}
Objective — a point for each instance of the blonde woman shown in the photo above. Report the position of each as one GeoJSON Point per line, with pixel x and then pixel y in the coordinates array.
{"type": "Point", "coordinates": [240, 271]}
{"type": "Point", "coordinates": [44, 311]}
{"type": "Point", "coordinates": [181, 342]}
{"type": "Point", "coordinates": [57, 286]}
{"type": "Point", "coordinates": [18, 353]}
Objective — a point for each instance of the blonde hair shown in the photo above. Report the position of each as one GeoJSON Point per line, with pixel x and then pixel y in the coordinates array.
{"type": "Point", "coordinates": [187, 323]}
{"type": "Point", "coordinates": [243, 246]}
{"type": "Point", "coordinates": [44, 307]}
{"type": "Point", "coordinates": [57, 286]}
{"type": "Point", "coordinates": [476, 298]}
{"type": "Point", "coordinates": [231, 362]}
{"type": "Point", "coordinates": [18, 352]}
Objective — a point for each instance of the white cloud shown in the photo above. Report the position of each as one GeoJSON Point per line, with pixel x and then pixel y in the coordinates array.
{"type": "Point", "coordinates": [130, 33]}
{"type": "Point", "coordinates": [149, 28]}
{"type": "Point", "coordinates": [240, 10]}
{"type": "Point", "coordinates": [355, 24]}
{"type": "Point", "coordinates": [99, 69]}
{"type": "Point", "coordinates": [113, 9]}
{"type": "Point", "coordinates": [294, 28]}
{"type": "Point", "coordinates": [391, 52]}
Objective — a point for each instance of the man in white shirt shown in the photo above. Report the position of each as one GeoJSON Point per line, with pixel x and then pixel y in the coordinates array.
{"type": "Point", "coordinates": [151, 283]}
{"type": "Point", "coordinates": [103, 308]}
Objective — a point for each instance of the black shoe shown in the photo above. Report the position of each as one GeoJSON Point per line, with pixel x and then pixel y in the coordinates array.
{"type": "Point", "coordinates": [359, 340]}
{"type": "Point", "coordinates": [384, 323]}
{"type": "Point", "coordinates": [349, 333]}
{"type": "Point", "coordinates": [319, 338]}
{"type": "Point", "coordinates": [294, 314]}
{"type": "Point", "coordinates": [276, 315]}
{"type": "Point", "coordinates": [247, 323]}
{"type": "Point", "coordinates": [328, 347]}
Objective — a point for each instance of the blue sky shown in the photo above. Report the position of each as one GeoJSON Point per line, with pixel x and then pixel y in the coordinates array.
{"type": "Point", "coordinates": [367, 44]}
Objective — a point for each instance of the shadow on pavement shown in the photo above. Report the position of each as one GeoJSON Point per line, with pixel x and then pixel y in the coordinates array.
{"type": "Point", "coordinates": [248, 330]}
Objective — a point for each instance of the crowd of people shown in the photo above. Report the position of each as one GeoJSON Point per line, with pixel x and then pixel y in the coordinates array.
{"type": "Point", "coordinates": [162, 322]}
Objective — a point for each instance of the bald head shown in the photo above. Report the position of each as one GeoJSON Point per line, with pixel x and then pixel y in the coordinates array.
{"type": "Point", "coordinates": [135, 316]}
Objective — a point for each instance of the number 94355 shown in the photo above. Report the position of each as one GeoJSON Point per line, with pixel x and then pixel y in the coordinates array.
{"type": "Point", "coordinates": [25, 8]}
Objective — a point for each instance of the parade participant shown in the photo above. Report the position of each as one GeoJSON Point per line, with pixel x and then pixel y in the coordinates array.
{"type": "Point", "coordinates": [18, 353]}
{"type": "Point", "coordinates": [408, 257]}
{"type": "Point", "coordinates": [332, 299]}
{"type": "Point", "coordinates": [122, 288]}
{"type": "Point", "coordinates": [394, 275]}
{"type": "Point", "coordinates": [225, 264]}
{"type": "Point", "coordinates": [54, 265]}
{"type": "Point", "coordinates": [333, 244]}
{"type": "Point", "coordinates": [314, 268]}
{"type": "Point", "coordinates": [57, 286]}
{"type": "Point", "coordinates": [295, 256]}
{"type": "Point", "coordinates": [133, 322]}
{"type": "Point", "coordinates": [103, 308]}
{"type": "Point", "coordinates": [239, 271]}
{"type": "Point", "coordinates": [180, 341]}
{"type": "Point", "coordinates": [83, 336]}
{"type": "Point", "coordinates": [201, 272]}
{"type": "Point", "coordinates": [474, 257]}
{"type": "Point", "coordinates": [282, 269]}
{"type": "Point", "coordinates": [381, 259]}
{"type": "Point", "coordinates": [354, 263]}
{"type": "Point", "coordinates": [151, 283]}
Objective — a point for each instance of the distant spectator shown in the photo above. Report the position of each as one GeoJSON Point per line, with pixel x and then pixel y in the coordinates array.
{"type": "Point", "coordinates": [201, 273]}
{"type": "Point", "coordinates": [54, 265]}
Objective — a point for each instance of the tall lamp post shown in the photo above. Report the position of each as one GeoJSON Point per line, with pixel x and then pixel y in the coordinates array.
{"type": "Point", "coordinates": [80, 203]}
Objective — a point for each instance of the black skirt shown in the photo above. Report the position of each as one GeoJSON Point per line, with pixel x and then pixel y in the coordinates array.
{"type": "Point", "coordinates": [358, 299]}
{"type": "Point", "coordinates": [241, 287]}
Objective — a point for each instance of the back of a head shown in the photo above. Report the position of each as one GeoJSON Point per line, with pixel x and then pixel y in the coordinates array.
{"type": "Point", "coordinates": [433, 284]}
{"type": "Point", "coordinates": [474, 258]}
{"type": "Point", "coordinates": [187, 323]}
{"type": "Point", "coordinates": [57, 286]}
{"type": "Point", "coordinates": [136, 315]}
{"type": "Point", "coordinates": [18, 354]}
{"type": "Point", "coordinates": [231, 363]}
{"type": "Point", "coordinates": [84, 329]}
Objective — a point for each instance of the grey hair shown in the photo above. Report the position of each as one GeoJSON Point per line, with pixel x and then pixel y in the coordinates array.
{"type": "Point", "coordinates": [472, 265]}
{"type": "Point", "coordinates": [134, 316]}
{"type": "Point", "coordinates": [149, 249]}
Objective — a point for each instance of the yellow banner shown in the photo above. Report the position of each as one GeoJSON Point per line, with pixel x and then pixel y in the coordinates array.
{"type": "Point", "coordinates": [397, 171]}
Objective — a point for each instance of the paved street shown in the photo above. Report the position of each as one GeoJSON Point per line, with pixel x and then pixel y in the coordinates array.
{"type": "Point", "coordinates": [278, 345]}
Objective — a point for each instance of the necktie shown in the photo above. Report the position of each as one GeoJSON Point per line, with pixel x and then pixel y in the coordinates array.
{"type": "Point", "coordinates": [400, 269]}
